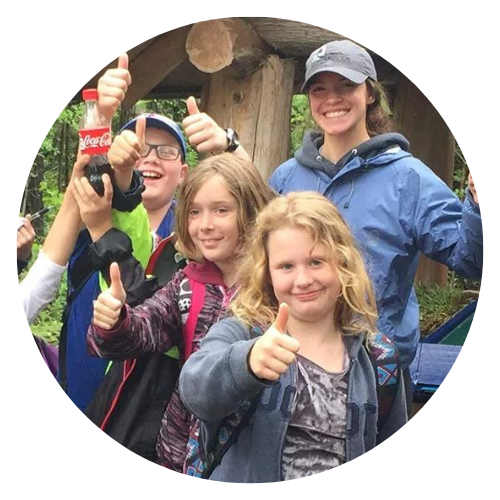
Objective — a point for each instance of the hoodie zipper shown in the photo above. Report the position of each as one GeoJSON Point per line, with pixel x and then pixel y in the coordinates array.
{"type": "Point", "coordinates": [293, 375]}
{"type": "Point", "coordinates": [226, 299]}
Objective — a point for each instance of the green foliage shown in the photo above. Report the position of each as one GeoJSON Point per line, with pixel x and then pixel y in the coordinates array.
{"type": "Point", "coordinates": [460, 174]}
{"type": "Point", "coordinates": [300, 121]}
{"type": "Point", "coordinates": [437, 304]}
{"type": "Point", "coordinates": [48, 323]}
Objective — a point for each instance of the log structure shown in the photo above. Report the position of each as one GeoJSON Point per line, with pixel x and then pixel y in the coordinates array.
{"type": "Point", "coordinates": [246, 70]}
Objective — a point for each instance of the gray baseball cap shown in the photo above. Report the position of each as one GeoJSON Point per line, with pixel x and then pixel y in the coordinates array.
{"type": "Point", "coordinates": [342, 57]}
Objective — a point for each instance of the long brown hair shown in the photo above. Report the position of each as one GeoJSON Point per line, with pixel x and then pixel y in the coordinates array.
{"type": "Point", "coordinates": [243, 181]}
{"type": "Point", "coordinates": [378, 113]}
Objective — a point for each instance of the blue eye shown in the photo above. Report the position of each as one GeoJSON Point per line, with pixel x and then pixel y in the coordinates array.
{"type": "Point", "coordinates": [286, 267]}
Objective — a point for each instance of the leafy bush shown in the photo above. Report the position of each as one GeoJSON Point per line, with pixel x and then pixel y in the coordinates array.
{"type": "Point", "coordinates": [438, 304]}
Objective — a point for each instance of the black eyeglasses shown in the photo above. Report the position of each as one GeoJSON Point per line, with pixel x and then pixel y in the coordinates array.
{"type": "Point", "coordinates": [163, 151]}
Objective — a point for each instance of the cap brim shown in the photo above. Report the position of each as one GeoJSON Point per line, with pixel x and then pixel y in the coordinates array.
{"type": "Point", "coordinates": [152, 122]}
{"type": "Point", "coordinates": [354, 76]}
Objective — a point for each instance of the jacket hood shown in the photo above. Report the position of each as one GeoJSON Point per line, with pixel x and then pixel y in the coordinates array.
{"type": "Point", "coordinates": [309, 155]}
{"type": "Point", "coordinates": [204, 272]}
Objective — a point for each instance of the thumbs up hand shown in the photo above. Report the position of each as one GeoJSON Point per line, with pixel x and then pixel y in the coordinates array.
{"type": "Point", "coordinates": [275, 350]}
{"type": "Point", "coordinates": [112, 88]}
{"type": "Point", "coordinates": [109, 304]}
{"type": "Point", "coordinates": [127, 147]}
{"type": "Point", "coordinates": [202, 131]}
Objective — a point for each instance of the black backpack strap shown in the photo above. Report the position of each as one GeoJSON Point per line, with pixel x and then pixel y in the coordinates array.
{"type": "Point", "coordinates": [220, 449]}
{"type": "Point", "coordinates": [216, 458]}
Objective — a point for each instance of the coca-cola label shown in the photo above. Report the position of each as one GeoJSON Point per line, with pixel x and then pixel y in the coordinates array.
{"type": "Point", "coordinates": [95, 141]}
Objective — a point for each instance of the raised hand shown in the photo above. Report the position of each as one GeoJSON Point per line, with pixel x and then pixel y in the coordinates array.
{"type": "Point", "coordinates": [109, 304]}
{"type": "Point", "coordinates": [112, 88]}
{"type": "Point", "coordinates": [472, 189]}
{"type": "Point", "coordinates": [202, 131]}
{"type": "Point", "coordinates": [25, 239]}
{"type": "Point", "coordinates": [127, 147]}
{"type": "Point", "coordinates": [274, 351]}
{"type": "Point", "coordinates": [95, 211]}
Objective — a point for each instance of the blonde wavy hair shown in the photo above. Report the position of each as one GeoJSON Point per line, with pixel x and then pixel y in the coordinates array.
{"type": "Point", "coordinates": [243, 181]}
{"type": "Point", "coordinates": [256, 304]}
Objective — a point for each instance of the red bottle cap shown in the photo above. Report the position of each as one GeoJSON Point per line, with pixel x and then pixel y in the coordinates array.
{"type": "Point", "coordinates": [89, 95]}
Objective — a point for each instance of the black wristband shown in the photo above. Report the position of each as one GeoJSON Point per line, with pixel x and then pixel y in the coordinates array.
{"type": "Point", "coordinates": [233, 140]}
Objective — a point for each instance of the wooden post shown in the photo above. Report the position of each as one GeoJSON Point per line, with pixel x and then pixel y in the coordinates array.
{"type": "Point", "coordinates": [258, 107]}
{"type": "Point", "coordinates": [432, 142]}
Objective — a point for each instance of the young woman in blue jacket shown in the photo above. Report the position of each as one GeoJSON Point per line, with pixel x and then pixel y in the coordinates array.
{"type": "Point", "coordinates": [395, 205]}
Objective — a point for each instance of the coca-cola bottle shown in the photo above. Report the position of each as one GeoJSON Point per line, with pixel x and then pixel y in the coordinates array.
{"type": "Point", "coordinates": [95, 140]}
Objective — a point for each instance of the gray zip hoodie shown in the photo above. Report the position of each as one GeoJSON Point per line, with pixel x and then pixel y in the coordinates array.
{"type": "Point", "coordinates": [216, 382]}
{"type": "Point", "coordinates": [309, 155]}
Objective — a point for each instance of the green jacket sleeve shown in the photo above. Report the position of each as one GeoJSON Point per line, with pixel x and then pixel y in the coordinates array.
{"type": "Point", "coordinates": [136, 225]}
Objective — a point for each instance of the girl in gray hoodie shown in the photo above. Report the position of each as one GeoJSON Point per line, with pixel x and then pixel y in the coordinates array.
{"type": "Point", "coordinates": [302, 352]}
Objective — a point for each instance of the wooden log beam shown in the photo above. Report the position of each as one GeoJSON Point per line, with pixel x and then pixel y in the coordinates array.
{"type": "Point", "coordinates": [214, 45]}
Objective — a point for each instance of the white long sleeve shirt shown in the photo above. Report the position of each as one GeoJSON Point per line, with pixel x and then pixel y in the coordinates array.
{"type": "Point", "coordinates": [40, 285]}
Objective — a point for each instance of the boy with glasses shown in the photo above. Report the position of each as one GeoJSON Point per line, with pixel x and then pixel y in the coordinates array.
{"type": "Point", "coordinates": [160, 156]}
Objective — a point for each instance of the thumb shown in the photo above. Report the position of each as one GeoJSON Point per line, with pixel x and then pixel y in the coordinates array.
{"type": "Point", "coordinates": [108, 189]}
{"type": "Point", "coordinates": [123, 61]}
{"type": "Point", "coordinates": [81, 161]}
{"type": "Point", "coordinates": [116, 285]}
{"type": "Point", "coordinates": [281, 318]}
{"type": "Point", "coordinates": [192, 107]}
{"type": "Point", "coordinates": [140, 130]}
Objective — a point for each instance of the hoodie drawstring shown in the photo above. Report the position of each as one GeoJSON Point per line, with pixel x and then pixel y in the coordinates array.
{"type": "Point", "coordinates": [346, 204]}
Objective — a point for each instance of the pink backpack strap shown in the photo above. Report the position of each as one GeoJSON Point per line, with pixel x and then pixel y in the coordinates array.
{"type": "Point", "coordinates": [197, 301]}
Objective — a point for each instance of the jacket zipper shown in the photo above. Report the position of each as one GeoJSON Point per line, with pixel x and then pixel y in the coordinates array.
{"type": "Point", "coordinates": [293, 375]}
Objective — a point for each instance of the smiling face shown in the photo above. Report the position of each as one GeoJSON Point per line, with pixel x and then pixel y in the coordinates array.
{"type": "Point", "coordinates": [338, 106]}
{"type": "Point", "coordinates": [302, 275]}
{"type": "Point", "coordinates": [213, 223]}
{"type": "Point", "coordinates": [161, 177]}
